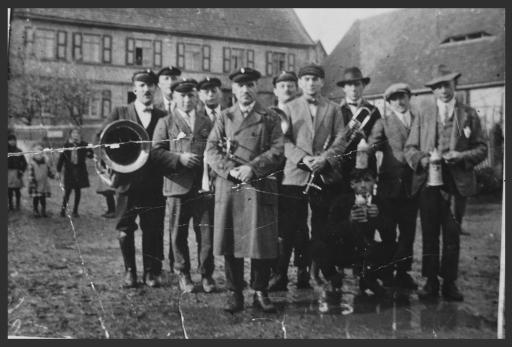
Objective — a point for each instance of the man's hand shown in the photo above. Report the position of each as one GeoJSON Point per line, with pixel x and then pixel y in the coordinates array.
{"type": "Point", "coordinates": [373, 211]}
{"type": "Point", "coordinates": [358, 214]}
{"type": "Point", "coordinates": [318, 163]}
{"type": "Point", "coordinates": [424, 162]}
{"type": "Point", "coordinates": [244, 173]}
{"type": "Point", "coordinates": [57, 176]}
{"type": "Point", "coordinates": [308, 161]}
{"type": "Point", "coordinates": [189, 160]}
{"type": "Point", "coordinates": [453, 157]}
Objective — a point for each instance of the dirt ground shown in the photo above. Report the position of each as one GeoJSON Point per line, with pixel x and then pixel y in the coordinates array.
{"type": "Point", "coordinates": [64, 282]}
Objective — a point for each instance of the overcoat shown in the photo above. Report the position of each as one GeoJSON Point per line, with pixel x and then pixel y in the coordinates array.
{"type": "Point", "coordinates": [245, 222]}
{"type": "Point", "coordinates": [75, 175]}
{"type": "Point", "coordinates": [466, 137]}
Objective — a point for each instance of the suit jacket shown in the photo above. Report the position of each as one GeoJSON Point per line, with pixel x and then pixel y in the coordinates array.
{"type": "Point", "coordinates": [307, 138]}
{"type": "Point", "coordinates": [389, 136]}
{"type": "Point", "coordinates": [181, 181]}
{"type": "Point", "coordinates": [161, 106]}
{"type": "Point", "coordinates": [422, 140]}
{"type": "Point", "coordinates": [147, 178]}
{"type": "Point", "coordinates": [245, 222]}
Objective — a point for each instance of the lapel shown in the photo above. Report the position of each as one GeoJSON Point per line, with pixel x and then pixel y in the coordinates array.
{"type": "Point", "coordinates": [431, 127]}
{"type": "Point", "coordinates": [396, 123]}
{"type": "Point", "coordinates": [132, 114]}
{"type": "Point", "coordinates": [201, 119]}
{"type": "Point", "coordinates": [345, 111]}
{"type": "Point", "coordinates": [181, 123]}
{"type": "Point", "coordinates": [321, 111]}
{"type": "Point", "coordinates": [459, 119]}
{"type": "Point", "coordinates": [252, 118]}
{"type": "Point", "coordinates": [307, 115]}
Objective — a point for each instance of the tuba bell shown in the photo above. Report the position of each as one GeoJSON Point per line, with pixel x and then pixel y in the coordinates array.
{"type": "Point", "coordinates": [124, 148]}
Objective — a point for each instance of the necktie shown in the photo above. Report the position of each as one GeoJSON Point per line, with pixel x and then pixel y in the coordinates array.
{"type": "Point", "coordinates": [147, 109]}
{"type": "Point", "coordinates": [444, 114]}
{"type": "Point", "coordinates": [169, 108]}
{"type": "Point", "coordinates": [214, 115]}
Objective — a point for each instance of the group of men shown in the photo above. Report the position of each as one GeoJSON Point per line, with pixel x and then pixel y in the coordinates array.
{"type": "Point", "coordinates": [343, 171]}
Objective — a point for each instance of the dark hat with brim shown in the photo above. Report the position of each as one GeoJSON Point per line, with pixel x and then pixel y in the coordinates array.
{"type": "Point", "coordinates": [351, 75]}
{"type": "Point", "coordinates": [312, 69]}
{"type": "Point", "coordinates": [441, 74]}
{"type": "Point", "coordinates": [146, 76]}
{"type": "Point", "coordinates": [245, 74]}
{"type": "Point", "coordinates": [184, 85]}
{"type": "Point", "coordinates": [397, 88]}
{"type": "Point", "coordinates": [209, 82]}
{"type": "Point", "coordinates": [285, 76]}
{"type": "Point", "coordinates": [169, 71]}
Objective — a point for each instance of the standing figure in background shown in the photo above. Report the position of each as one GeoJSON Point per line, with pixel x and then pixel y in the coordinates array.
{"type": "Point", "coordinates": [166, 77]}
{"type": "Point", "coordinates": [75, 175]}
{"type": "Point", "coordinates": [16, 166]}
{"type": "Point", "coordinates": [453, 130]}
{"type": "Point", "coordinates": [40, 171]}
{"type": "Point", "coordinates": [399, 208]}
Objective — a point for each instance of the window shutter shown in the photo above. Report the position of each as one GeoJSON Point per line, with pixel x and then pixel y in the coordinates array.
{"type": "Point", "coordinates": [157, 53]}
{"type": "Point", "coordinates": [180, 55]}
{"type": "Point", "coordinates": [250, 58]}
{"type": "Point", "coordinates": [130, 49]}
{"type": "Point", "coordinates": [77, 46]}
{"type": "Point", "coordinates": [226, 59]}
{"type": "Point", "coordinates": [62, 43]}
{"type": "Point", "coordinates": [291, 61]}
{"type": "Point", "coordinates": [107, 49]}
{"type": "Point", "coordinates": [269, 64]}
{"type": "Point", "coordinates": [206, 58]}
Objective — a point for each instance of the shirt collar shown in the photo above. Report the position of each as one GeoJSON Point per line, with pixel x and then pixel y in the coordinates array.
{"type": "Point", "coordinates": [247, 108]}
{"type": "Point", "coordinates": [216, 109]}
{"type": "Point", "coordinates": [140, 107]}
{"type": "Point", "coordinates": [450, 104]}
{"type": "Point", "coordinates": [358, 102]}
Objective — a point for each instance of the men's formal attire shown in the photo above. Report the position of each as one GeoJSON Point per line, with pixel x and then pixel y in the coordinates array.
{"type": "Point", "coordinates": [140, 194]}
{"type": "Point", "coordinates": [315, 129]}
{"type": "Point", "coordinates": [182, 132]}
{"type": "Point", "coordinates": [246, 218]}
{"type": "Point", "coordinates": [458, 129]}
{"type": "Point", "coordinates": [399, 208]}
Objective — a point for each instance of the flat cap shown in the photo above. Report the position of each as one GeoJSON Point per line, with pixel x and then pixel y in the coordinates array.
{"type": "Point", "coordinates": [245, 74]}
{"type": "Point", "coordinates": [209, 82]}
{"type": "Point", "coordinates": [146, 76]}
{"type": "Point", "coordinates": [284, 76]}
{"type": "Point", "coordinates": [441, 73]}
{"type": "Point", "coordinates": [397, 88]}
{"type": "Point", "coordinates": [184, 85]}
{"type": "Point", "coordinates": [169, 71]}
{"type": "Point", "coordinates": [312, 69]}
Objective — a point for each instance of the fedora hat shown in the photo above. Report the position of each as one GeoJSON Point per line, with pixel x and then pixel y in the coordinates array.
{"type": "Point", "coordinates": [441, 73]}
{"type": "Point", "coordinates": [352, 74]}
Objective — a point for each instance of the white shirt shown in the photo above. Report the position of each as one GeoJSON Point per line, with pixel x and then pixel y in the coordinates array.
{"type": "Point", "coordinates": [247, 109]}
{"type": "Point", "coordinates": [352, 107]}
{"type": "Point", "coordinates": [168, 105]}
{"type": "Point", "coordinates": [189, 117]}
{"type": "Point", "coordinates": [144, 112]}
{"type": "Point", "coordinates": [405, 117]}
{"type": "Point", "coordinates": [445, 109]}
{"type": "Point", "coordinates": [209, 111]}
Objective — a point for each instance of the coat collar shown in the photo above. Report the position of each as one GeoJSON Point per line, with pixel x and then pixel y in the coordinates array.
{"type": "Point", "coordinates": [254, 117]}
{"type": "Point", "coordinates": [393, 118]}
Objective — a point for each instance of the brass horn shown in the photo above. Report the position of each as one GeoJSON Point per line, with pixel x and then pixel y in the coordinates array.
{"type": "Point", "coordinates": [124, 147]}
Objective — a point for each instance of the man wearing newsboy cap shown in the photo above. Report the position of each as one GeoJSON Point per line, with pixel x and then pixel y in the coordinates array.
{"type": "Point", "coordinates": [244, 148]}
{"type": "Point", "coordinates": [454, 130]}
{"type": "Point", "coordinates": [166, 77]}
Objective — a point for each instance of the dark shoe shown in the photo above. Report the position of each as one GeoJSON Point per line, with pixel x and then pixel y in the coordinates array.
{"type": "Point", "coordinates": [234, 302]}
{"type": "Point", "coordinates": [464, 232]}
{"type": "Point", "coordinates": [329, 301]}
{"type": "Point", "coordinates": [430, 290]}
{"type": "Point", "coordinates": [208, 284]}
{"type": "Point", "coordinates": [186, 284]}
{"type": "Point", "coordinates": [404, 280]}
{"type": "Point", "coordinates": [130, 279]}
{"type": "Point", "coordinates": [63, 213]}
{"type": "Point", "coordinates": [43, 214]}
{"type": "Point", "coordinates": [36, 214]}
{"type": "Point", "coordinates": [152, 280]}
{"type": "Point", "coordinates": [75, 215]}
{"type": "Point", "coordinates": [373, 285]}
{"type": "Point", "coordinates": [451, 292]}
{"type": "Point", "coordinates": [262, 301]}
{"type": "Point", "coordinates": [303, 279]}
{"type": "Point", "coordinates": [277, 283]}
{"type": "Point", "coordinates": [109, 215]}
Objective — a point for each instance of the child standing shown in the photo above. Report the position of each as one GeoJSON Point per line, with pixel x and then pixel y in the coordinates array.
{"type": "Point", "coordinates": [16, 166]}
{"type": "Point", "coordinates": [39, 185]}
{"type": "Point", "coordinates": [76, 176]}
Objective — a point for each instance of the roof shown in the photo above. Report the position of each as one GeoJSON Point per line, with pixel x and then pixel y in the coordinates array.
{"type": "Point", "coordinates": [404, 45]}
{"type": "Point", "coordinates": [278, 25]}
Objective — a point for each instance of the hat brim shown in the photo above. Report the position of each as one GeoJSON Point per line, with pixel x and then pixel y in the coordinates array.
{"type": "Point", "coordinates": [365, 80]}
{"type": "Point", "coordinates": [208, 85]}
{"type": "Point", "coordinates": [445, 78]}
{"type": "Point", "coordinates": [400, 91]}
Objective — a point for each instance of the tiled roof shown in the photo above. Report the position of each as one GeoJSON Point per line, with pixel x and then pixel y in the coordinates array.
{"type": "Point", "coordinates": [278, 25]}
{"type": "Point", "coordinates": [404, 45]}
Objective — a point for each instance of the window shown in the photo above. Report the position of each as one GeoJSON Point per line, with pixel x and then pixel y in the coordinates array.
{"type": "Point", "coordinates": [291, 62]}
{"type": "Point", "coordinates": [180, 55]}
{"type": "Point", "coordinates": [237, 58]}
{"type": "Point", "coordinates": [107, 49]}
{"type": "Point", "coordinates": [206, 58]}
{"type": "Point", "coordinates": [226, 59]}
{"type": "Point", "coordinates": [250, 58]}
{"type": "Point", "coordinates": [91, 48]}
{"type": "Point", "coordinates": [467, 37]}
{"type": "Point", "coordinates": [62, 42]}
{"type": "Point", "coordinates": [77, 46]}
{"type": "Point", "coordinates": [275, 63]}
{"type": "Point", "coordinates": [157, 53]}
{"type": "Point", "coordinates": [45, 43]}
{"type": "Point", "coordinates": [139, 52]}
{"type": "Point", "coordinates": [193, 57]}
{"type": "Point", "coordinates": [92, 107]}
{"type": "Point", "coordinates": [106, 103]}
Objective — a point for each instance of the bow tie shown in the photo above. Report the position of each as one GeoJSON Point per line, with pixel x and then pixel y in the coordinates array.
{"type": "Point", "coordinates": [211, 107]}
{"type": "Point", "coordinates": [312, 101]}
{"type": "Point", "coordinates": [353, 104]}
{"type": "Point", "coordinates": [147, 109]}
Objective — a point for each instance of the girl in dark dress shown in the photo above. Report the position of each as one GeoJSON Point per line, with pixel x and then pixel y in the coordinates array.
{"type": "Point", "coordinates": [16, 166]}
{"type": "Point", "coordinates": [75, 175]}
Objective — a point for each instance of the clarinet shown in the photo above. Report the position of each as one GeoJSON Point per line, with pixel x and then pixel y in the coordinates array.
{"type": "Point", "coordinates": [313, 174]}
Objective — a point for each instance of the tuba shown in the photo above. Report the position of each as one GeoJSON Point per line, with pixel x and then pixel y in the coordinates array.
{"type": "Point", "coordinates": [124, 148]}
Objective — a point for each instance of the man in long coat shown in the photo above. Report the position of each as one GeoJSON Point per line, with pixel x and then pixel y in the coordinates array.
{"type": "Point", "coordinates": [245, 191]}
{"type": "Point", "coordinates": [454, 130]}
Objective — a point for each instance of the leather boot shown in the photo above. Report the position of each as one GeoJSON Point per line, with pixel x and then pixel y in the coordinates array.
{"type": "Point", "coordinates": [127, 245]}
{"type": "Point", "coordinates": [451, 292]}
{"type": "Point", "coordinates": [279, 280]}
{"type": "Point", "coordinates": [430, 290]}
{"type": "Point", "coordinates": [303, 278]}
{"type": "Point", "coordinates": [234, 302]}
